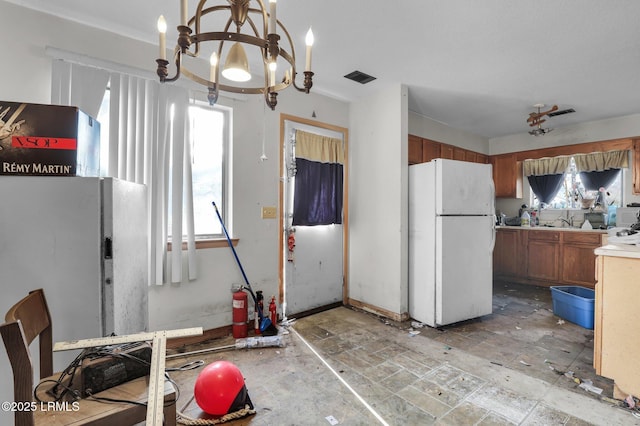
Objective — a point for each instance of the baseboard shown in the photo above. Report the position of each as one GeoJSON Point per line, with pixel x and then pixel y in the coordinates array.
{"type": "Point", "coordinates": [319, 309]}
{"type": "Point", "coordinates": [213, 333]}
{"type": "Point", "coordinates": [394, 316]}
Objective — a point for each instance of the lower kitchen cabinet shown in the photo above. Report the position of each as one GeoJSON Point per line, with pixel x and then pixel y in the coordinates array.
{"type": "Point", "coordinates": [546, 257]}
{"type": "Point", "coordinates": [506, 262]}
{"type": "Point", "coordinates": [543, 253]}
{"type": "Point", "coordinates": [616, 312]}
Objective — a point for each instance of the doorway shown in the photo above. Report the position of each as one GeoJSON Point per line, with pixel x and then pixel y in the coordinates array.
{"type": "Point", "coordinates": [313, 259]}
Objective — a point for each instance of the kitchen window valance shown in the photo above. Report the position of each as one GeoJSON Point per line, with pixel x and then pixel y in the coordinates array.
{"type": "Point", "coordinates": [599, 161]}
{"type": "Point", "coordinates": [546, 166]}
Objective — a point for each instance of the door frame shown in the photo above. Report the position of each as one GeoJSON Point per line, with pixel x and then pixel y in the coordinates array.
{"type": "Point", "coordinates": [345, 202]}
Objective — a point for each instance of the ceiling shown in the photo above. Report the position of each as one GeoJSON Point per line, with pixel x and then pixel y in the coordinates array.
{"type": "Point", "coordinates": [478, 66]}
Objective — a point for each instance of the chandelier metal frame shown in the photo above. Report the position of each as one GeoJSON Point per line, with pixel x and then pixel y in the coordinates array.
{"type": "Point", "coordinates": [188, 45]}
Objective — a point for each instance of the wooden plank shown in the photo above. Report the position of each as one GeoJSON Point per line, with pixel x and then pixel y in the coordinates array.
{"type": "Point", "coordinates": [127, 338]}
{"type": "Point", "coordinates": [155, 400]}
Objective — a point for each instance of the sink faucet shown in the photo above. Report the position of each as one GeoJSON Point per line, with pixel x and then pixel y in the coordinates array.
{"type": "Point", "coordinates": [568, 222]}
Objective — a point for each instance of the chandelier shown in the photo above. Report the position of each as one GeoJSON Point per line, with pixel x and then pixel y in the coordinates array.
{"type": "Point", "coordinates": [264, 32]}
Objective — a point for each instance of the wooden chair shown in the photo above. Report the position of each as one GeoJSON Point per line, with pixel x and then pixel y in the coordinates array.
{"type": "Point", "coordinates": [30, 318]}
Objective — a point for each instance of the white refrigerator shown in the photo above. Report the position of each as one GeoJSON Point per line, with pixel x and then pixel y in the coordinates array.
{"type": "Point", "coordinates": [84, 241]}
{"type": "Point", "coordinates": [451, 240]}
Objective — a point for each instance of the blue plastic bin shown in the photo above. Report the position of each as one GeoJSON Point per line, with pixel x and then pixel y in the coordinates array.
{"type": "Point", "coordinates": [575, 304]}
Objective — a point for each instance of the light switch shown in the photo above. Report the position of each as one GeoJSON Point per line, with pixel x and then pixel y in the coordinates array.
{"type": "Point", "coordinates": [269, 212]}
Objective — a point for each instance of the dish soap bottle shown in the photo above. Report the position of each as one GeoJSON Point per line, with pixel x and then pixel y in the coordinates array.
{"type": "Point", "coordinates": [525, 219]}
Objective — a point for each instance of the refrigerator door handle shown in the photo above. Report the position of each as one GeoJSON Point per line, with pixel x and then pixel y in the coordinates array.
{"type": "Point", "coordinates": [493, 194]}
{"type": "Point", "coordinates": [493, 233]}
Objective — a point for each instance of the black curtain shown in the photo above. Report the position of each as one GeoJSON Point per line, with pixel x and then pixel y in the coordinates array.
{"type": "Point", "coordinates": [546, 187]}
{"type": "Point", "coordinates": [595, 180]}
{"type": "Point", "coordinates": [318, 193]}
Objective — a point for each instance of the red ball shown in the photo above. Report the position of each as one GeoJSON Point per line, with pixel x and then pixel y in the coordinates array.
{"type": "Point", "coordinates": [217, 386]}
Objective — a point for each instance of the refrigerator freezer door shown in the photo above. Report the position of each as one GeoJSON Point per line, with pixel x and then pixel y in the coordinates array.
{"type": "Point", "coordinates": [464, 188]}
{"type": "Point", "coordinates": [125, 287]}
{"type": "Point", "coordinates": [464, 275]}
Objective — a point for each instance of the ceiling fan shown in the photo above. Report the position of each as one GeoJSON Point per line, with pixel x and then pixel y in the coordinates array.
{"type": "Point", "coordinates": [537, 118]}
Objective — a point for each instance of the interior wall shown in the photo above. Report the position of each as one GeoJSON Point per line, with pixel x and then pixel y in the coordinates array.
{"type": "Point", "coordinates": [205, 301]}
{"type": "Point", "coordinates": [439, 132]}
{"type": "Point", "coordinates": [600, 130]}
{"type": "Point", "coordinates": [378, 203]}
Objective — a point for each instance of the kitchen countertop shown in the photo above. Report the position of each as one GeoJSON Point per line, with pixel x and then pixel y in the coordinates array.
{"type": "Point", "coordinates": [551, 228]}
{"type": "Point", "coordinates": [619, 250]}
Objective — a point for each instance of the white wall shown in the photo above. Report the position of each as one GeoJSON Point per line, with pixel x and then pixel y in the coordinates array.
{"type": "Point", "coordinates": [206, 302]}
{"type": "Point", "coordinates": [436, 131]}
{"type": "Point", "coordinates": [378, 200]}
{"type": "Point", "coordinates": [601, 130]}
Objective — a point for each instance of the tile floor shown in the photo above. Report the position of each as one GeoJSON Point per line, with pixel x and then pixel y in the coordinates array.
{"type": "Point", "coordinates": [352, 368]}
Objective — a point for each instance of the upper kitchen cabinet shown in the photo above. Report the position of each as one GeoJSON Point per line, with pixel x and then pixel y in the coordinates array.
{"type": "Point", "coordinates": [423, 150]}
{"type": "Point", "coordinates": [430, 150]}
{"type": "Point", "coordinates": [507, 175]}
{"type": "Point", "coordinates": [415, 150]}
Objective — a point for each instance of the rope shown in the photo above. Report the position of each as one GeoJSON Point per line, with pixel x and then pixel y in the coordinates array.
{"type": "Point", "coordinates": [183, 419]}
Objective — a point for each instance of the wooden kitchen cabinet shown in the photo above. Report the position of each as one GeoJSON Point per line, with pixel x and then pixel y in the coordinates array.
{"type": "Point", "coordinates": [507, 175]}
{"type": "Point", "coordinates": [415, 149]}
{"type": "Point", "coordinates": [543, 250]}
{"type": "Point", "coordinates": [423, 150]}
{"type": "Point", "coordinates": [430, 150]}
{"type": "Point", "coordinates": [616, 312]}
{"type": "Point", "coordinates": [506, 253]}
{"type": "Point", "coordinates": [546, 256]}
{"type": "Point", "coordinates": [578, 256]}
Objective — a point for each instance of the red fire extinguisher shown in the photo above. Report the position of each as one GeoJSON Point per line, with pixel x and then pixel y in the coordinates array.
{"type": "Point", "coordinates": [240, 314]}
{"type": "Point", "coordinates": [291, 243]}
{"type": "Point", "coordinates": [259, 308]}
{"type": "Point", "coordinates": [273, 313]}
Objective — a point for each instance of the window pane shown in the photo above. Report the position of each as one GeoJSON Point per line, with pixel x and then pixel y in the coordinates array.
{"type": "Point", "coordinates": [572, 191]}
{"type": "Point", "coordinates": [208, 126]}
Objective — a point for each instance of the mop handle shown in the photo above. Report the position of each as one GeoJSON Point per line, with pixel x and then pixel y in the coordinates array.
{"type": "Point", "coordinates": [224, 228]}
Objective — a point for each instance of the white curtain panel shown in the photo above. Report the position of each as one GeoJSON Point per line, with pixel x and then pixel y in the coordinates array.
{"type": "Point", "coordinates": [78, 85]}
{"type": "Point", "coordinates": [149, 143]}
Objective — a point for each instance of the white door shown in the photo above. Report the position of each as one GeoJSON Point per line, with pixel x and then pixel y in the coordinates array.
{"type": "Point", "coordinates": [464, 188]}
{"type": "Point", "coordinates": [313, 271]}
{"type": "Point", "coordinates": [464, 267]}
{"type": "Point", "coordinates": [126, 275]}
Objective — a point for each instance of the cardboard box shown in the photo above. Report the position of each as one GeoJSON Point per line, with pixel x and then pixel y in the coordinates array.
{"type": "Point", "coordinates": [48, 140]}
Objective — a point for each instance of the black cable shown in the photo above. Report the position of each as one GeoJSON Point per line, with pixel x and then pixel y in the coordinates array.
{"type": "Point", "coordinates": [107, 351]}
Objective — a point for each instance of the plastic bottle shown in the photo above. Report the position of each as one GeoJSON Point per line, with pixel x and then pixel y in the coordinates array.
{"type": "Point", "coordinates": [273, 313]}
{"type": "Point", "coordinates": [525, 219]}
{"type": "Point", "coordinates": [534, 219]}
{"type": "Point", "coordinates": [259, 310]}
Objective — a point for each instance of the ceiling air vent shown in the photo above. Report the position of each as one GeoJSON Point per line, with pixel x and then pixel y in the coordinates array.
{"type": "Point", "coordinates": [562, 112]}
{"type": "Point", "coordinates": [360, 77]}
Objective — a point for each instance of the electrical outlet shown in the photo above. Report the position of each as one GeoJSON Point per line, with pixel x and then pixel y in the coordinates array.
{"type": "Point", "coordinates": [268, 212]}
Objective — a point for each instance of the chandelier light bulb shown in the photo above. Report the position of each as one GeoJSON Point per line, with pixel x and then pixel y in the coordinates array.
{"type": "Point", "coordinates": [213, 61]}
{"type": "Point", "coordinates": [162, 24]}
{"type": "Point", "coordinates": [162, 30]}
{"type": "Point", "coordinates": [309, 42]}
{"type": "Point", "coordinates": [236, 67]}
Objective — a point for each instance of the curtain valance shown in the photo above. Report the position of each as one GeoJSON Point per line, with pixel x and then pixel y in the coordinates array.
{"type": "Point", "coordinates": [319, 148]}
{"type": "Point", "coordinates": [546, 166]}
{"type": "Point", "coordinates": [599, 161]}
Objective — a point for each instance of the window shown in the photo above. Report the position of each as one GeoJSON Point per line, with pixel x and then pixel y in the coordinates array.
{"type": "Point", "coordinates": [210, 131]}
{"type": "Point", "coordinates": [568, 197]}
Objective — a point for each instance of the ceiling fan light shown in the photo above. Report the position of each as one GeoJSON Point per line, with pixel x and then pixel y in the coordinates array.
{"type": "Point", "coordinates": [236, 66]}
